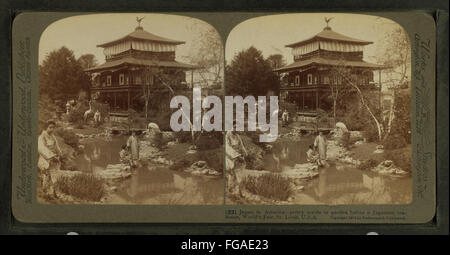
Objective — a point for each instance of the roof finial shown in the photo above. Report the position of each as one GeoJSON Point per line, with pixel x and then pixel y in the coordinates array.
{"type": "Point", "coordinates": [139, 20]}
{"type": "Point", "coordinates": [327, 20]}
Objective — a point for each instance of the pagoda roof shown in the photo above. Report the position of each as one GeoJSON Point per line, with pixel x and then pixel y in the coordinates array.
{"type": "Point", "coordinates": [328, 34]}
{"type": "Point", "coordinates": [140, 34]}
{"type": "Point", "coordinates": [139, 62]}
{"type": "Point", "coordinates": [328, 62]}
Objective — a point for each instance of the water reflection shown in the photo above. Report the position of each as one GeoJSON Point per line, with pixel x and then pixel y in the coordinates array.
{"type": "Point", "coordinates": [340, 183]}
{"type": "Point", "coordinates": [150, 184]}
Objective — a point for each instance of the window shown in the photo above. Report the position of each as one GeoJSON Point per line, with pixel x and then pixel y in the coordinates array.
{"type": "Point", "coordinates": [310, 79]}
{"type": "Point", "coordinates": [297, 80]}
{"type": "Point", "coordinates": [121, 79]}
{"type": "Point", "coordinates": [108, 80]}
{"type": "Point", "coordinates": [138, 80]}
{"type": "Point", "coordinates": [326, 80]}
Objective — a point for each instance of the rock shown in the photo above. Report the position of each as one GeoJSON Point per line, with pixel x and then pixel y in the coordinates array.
{"type": "Point", "coordinates": [379, 147]}
{"type": "Point", "coordinates": [171, 143]}
{"type": "Point", "coordinates": [115, 171]}
{"type": "Point", "coordinates": [199, 164]}
{"type": "Point", "coordinates": [387, 163]}
{"type": "Point", "coordinates": [388, 168]}
{"type": "Point", "coordinates": [359, 142]}
{"type": "Point", "coordinates": [168, 136]}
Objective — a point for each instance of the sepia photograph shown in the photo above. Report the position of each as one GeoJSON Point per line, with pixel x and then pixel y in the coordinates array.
{"type": "Point", "coordinates": [343, 87]}
{"type": "Point", "coordinates": [106, 82]}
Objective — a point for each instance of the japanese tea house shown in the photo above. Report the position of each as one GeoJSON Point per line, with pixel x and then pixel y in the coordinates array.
{"type": "Point", "coordinates": [119, 80]}
{"type": "Point", "coordinates": [307, 80]}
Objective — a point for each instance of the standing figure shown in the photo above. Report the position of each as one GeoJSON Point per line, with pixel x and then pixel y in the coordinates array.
{"type": "Point", "coordinates": [97, 118]}
{"type": "Point", "coordinates": [285, 117]}
{"type": "Point", "coordinates": [133, 145]}
{"type": "Point", "coordinates": [49, 157]}
{"type": "Point", "coordinates": [235, 151]}
{"type": "Point", "coordinates": [320, 143]}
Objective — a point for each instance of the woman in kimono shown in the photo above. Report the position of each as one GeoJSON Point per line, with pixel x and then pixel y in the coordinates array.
{"type": "Point", "coordinates": [321, 144]}
{"type": "Point", "coordinates": [133, 144]}
{"type": "Point", "coordinates": [234, 151]}
{"type": "Point", "coordinates": [49, 157]}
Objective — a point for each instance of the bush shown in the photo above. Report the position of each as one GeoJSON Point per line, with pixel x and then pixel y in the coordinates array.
{"type": "Point", "coordinates": [394, 141]}
{"type": "Point", "coordinates": [214, 158]}
{"type": "Point", "coordinates": [271, 186]}
{"type": "Point", "coordinates": [368, 164]}
{"type": "Point", "coordinates": [183, 136]}
{"type": "Point", "coordinates": [209, 140]}
{"type": "Point", "coordinates": [82, 186]}
{"type": "Point", "coordinates": [401, 157]}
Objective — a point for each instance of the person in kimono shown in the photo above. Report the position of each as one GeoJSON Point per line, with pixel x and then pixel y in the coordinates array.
{"type": "Point", "coordinates": [49, 157]}
{"type": "Point", "coordinates": [235, 152]}
{"type": "Point", "coordinates": [320, 143]}
{"type": "Point", "coordinates": [133, 145]}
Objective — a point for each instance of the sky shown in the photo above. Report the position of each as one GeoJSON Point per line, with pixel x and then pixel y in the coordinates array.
{"type": "Point", "coordinates": [83, 33]}
{"type": "Point", "coordinates": [271, 33]}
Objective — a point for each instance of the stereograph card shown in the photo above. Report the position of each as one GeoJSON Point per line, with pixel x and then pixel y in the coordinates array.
{"type": "Point", "coordinates": [224, 117]}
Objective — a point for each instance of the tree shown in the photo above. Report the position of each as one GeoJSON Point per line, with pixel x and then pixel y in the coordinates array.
{"type": "Point", "coordinates": [395, 54]}
{"type": "Point", "coordinates": [250, 74]}
{"type": "Point", "coordinates": [347, 74]}
{"type": "Point", "coordinates": [61, 76]}
{"type": "Point", "coordinates": [276, 61]}
{"type": "Point", "coordinates": [207, 54]}
{"type": "Point", "coordinates": [87, 61]}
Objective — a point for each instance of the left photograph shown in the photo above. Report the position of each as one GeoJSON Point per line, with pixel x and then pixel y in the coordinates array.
{"type": "Point", "coordinates": [106, 82]}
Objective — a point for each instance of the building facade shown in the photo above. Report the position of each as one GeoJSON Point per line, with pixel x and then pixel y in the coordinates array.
{"type": "Point", "coordinates": [130, 63]}
{"type": "Point", "coordinates": [308, 81]}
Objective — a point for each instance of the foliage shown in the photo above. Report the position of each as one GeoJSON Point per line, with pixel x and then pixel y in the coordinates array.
{"type": "Point", "coordinates": [401, 157]}
{"type": "Point", "coordinates": [272, 186]}
{"type": "Point", "coordinates": [61, 76]}
{"type": "Point", "coordinates": [207, 54]}
{"type": "Point", "coordinates": [82, 186]}
{"type": "Point", "coordinates": [183, 136]}
{"type": "Point", "coordinates": [209, 140]}
{"type": "Point", "coordinates": [401, 124]}
{"type": "Point", "coordinates": [214, 158]}
{"type": "Point", "coordinates": [276, 61]}
{"type": "Point", "coordinates": [250, 74]}
{"type": "Point", "coordinates": [394, 141]}
{"type": "Point", "coordinates": [368, 164]}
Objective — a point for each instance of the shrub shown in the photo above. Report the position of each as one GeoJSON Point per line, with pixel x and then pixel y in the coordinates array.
{"type": "Point", "coordinates": [214, 158]}
{"type": "Point", "coordinates": [401, 157]}
{"type": "Point", "coordinates": [209, 140]}
{"type": "Point", "coordinates": [368, 164]}
{"type": "Point", "coordinates": [394, 141]}
{"type": "Point", "coordinates": [271, 186]}
{"type": "Point", "coordinates": [82, 186]}
{"type": "Point", "coordinates": [183, 136]}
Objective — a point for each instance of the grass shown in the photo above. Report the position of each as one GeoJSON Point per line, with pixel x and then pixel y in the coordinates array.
{"type": "Point", "coordinates": [82, 186]}
{"type": "Point", "coordinates": [271, 186]}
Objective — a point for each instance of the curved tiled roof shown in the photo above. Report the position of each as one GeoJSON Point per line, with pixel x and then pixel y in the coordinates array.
{"type": "Point", "coordinates": [328, 34]}
{"type": "Point", "coordinates": [139, 62]}
{"type": "Point", "coordinates": [329, 62]}
{"type": "Point", "coordinates": [141, 34]}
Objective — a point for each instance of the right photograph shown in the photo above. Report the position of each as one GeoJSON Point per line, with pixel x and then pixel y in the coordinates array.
{"type": "Point", "coordinates": [344, 110]}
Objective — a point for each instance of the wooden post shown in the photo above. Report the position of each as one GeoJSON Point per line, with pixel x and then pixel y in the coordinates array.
{"type": "Point", "coordinates": [128, 100]}
{"type": "Point", "coordinates": [379, 83]}
{"type": "Point", "coordinates": [192, 78]}
{"type": "Point", "coordinates": [317, 100]}
{"type": "Point", "coordinates": [115, 100]}
{"type": "Point", "coordinates": [303, 101]}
